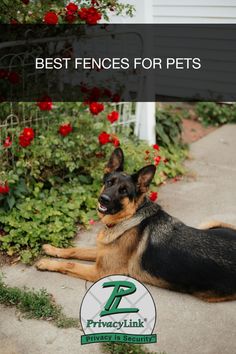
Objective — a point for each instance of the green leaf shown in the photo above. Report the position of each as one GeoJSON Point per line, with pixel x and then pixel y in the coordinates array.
{"type": "Point", "coordinates": [11, 201]}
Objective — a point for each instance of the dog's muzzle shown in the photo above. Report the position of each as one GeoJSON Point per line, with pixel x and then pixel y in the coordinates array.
{"type": "Point", "coordinates": [104, 201]}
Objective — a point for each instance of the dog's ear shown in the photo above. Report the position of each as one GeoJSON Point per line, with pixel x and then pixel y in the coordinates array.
{"type": "Point", "coordinates": [144, 177]}
{"type": "Point", "coordinates": [116, 161]}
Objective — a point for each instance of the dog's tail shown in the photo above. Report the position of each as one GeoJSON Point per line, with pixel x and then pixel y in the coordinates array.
{"type": "Point", "coordinates": [216, 224]}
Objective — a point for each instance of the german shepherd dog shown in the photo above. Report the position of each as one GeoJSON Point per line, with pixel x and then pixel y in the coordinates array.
{"type": "Point", "coordinates": [141, 240]}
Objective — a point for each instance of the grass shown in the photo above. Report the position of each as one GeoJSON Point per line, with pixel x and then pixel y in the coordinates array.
{"type": "Point", "coordinates": [125, 348]}
{"type": "Point", "coordinates": [35, 304]}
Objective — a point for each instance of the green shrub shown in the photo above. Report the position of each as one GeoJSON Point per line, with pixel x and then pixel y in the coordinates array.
{"type": "Point", "coordinates": [46, 216]}
{"type": "Point", "coordinates": [168, 127]}
{"type": "Point", "coordinates": [211, 113]}
{"type": "Point", "coordinates": [55, 181]}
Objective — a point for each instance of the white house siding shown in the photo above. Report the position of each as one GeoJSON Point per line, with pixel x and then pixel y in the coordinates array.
{"type": "Point", "coordinates": [181, 11]}
{"type": "Point", "coordinates": [194, 11]}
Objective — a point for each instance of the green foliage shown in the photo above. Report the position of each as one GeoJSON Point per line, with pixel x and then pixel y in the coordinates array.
{"type": "Point", "coordinates": [175, 156]}
{"type": "Point", "coordinates": [211, 113]}
{"type": "Point", "coordinates": [17, 190]}
{"type": "Point", "coordinates": [55, 181]}
{"type": "Point", "coordinates": [125, 348]}
{"type": "Point", "coordinates": [35, 304]}
{"type": "Point", "coordinates": [168, 127]}
{"type": "Point", "coordinates": [46, 216]}
{"type": "Point", "coordinates": [168, 136]}
{"type": "Point", "coordinates": [171, 164]}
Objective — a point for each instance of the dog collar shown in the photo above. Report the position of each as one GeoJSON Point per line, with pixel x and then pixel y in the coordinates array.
{"type": "Point", "coordinates": [114, 231]}
{"type": "Point", "coordinates": [110, 225]}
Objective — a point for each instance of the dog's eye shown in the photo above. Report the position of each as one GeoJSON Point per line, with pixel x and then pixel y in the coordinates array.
{"type": "Point", "coordinates": [109, 183]}
{"type": "Point", "coordinates": [123, 190]}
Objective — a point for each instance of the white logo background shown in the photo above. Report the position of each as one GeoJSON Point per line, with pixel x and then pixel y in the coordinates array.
{"type": "Point", "coordinates": [97, 296]}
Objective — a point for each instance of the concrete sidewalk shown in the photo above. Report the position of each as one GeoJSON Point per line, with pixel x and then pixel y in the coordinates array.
{"type": "Point", "coordinates": [185, 325]}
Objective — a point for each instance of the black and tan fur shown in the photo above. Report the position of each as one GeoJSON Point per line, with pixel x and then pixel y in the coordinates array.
{"type": "Point", "coordinates": [141, 240]}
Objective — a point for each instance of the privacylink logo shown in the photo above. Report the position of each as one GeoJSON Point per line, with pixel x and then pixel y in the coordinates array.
{"type": "Point", "coordinates": [118, 309]}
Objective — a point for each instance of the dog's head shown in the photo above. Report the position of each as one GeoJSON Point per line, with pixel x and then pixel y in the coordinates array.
{"type": "Point", "coordinates": [122, 193]}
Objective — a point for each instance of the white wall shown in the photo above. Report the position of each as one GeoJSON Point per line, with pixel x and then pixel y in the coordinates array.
{"type": "Point", "coordinates": [180, 11]}
{"type": "Point", "coordinates": [194, 11]}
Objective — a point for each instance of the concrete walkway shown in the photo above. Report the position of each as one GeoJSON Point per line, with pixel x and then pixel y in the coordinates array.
{"type": "Point", "coordinates": [185, 325]}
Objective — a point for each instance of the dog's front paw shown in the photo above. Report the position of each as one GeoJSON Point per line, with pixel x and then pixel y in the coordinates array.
{"type": "Point", "coordinates": [49, 250]}
{"type": "Point", "coordinates": [42, 264]}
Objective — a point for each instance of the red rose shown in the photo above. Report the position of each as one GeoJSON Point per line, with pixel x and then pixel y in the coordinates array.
{"type": "Point", "coordinates": [116, 142]}
{"type": "Point", "coordinates": [26, 137]}
{"type": "Point", "coordinates": [4, 188]}
{"type": "Point", "coordinates": [50, 18]}
{"type": "Point", "coordinates": [13, 77]}
{"type": "Point", "coordinates": [82, 13]}
{"type": "Point", "coordinates": [45, 103]}
{"type": "Point", "coordinates": [65, 129]}
{"type": "Point", "coordinates": [104, 138]}
{"type": "Point", "coordinates": [113, 116]}
{"type": "Point", "coordinates": [72, 7]}
{"type": "Point", "coordinates": [90, 15]}
{"type": "Point", "coordinates": [23, 141]}
{"type": "Point", "coordinates": [157, 160]}
{"type": "Point", "coordinates": [156, 147]}
{"type": "Point", "coordinates": [28, 133]}
{"type": "Point", "coordinates": [93, 16]}
{"type": "Point", "coordinates": [153, 196]}
{"type": "Point", "coordinates": [70, 17]}
{"type": "Point", "coordinates": [26, 2]}
{"type": "Point", "coordinates": [95, 108]}
{"type": "Point", "coordinates": [71, 10]}
{"type": "Point", "coordinates": [7, 143]}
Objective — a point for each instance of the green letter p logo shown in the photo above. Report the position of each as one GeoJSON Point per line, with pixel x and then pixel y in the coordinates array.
{"type": "Point", "coordinates": [114, 300]}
